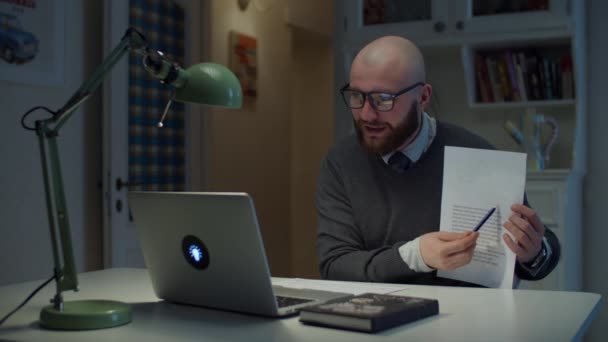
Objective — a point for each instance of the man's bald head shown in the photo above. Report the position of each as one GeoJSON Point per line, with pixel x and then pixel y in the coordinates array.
{"type": "Point", "coordinates": [393, 53]}
{"type": "Point", "coordinates": [388, 65]}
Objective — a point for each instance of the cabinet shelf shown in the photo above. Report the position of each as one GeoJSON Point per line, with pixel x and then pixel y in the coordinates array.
{"type": "Point", "coordinates": [520, 104]}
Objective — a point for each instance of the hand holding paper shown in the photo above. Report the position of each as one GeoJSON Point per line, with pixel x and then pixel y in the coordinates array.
{"type": "Point", "coordinates": [474, 181]}
{"type": "Point", "coordinates": [528, 231]}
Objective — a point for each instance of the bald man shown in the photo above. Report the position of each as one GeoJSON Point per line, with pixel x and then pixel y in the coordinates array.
{"type": "Point", "coordinates": [379, 191]}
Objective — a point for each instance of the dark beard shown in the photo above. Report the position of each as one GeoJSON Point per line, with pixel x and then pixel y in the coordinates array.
{"type": "Point", "coordinates": [397, 136]}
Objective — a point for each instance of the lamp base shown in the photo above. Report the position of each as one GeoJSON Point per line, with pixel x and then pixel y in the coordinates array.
{"type": "Point", "coordinates": [86, 314]}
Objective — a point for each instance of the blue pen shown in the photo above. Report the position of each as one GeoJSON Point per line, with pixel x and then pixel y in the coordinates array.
{"type": "Point", "coordinates": [484, 219]}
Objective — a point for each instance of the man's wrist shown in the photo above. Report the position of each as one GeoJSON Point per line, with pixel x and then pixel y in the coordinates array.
{"type": "Point", "coordinates": [410, 253]}
{"type": "Point", "coordinates": [540, 260]}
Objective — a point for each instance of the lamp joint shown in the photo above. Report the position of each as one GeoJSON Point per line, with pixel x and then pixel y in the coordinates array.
{"type": "Point", "coordinates": [58, 302]}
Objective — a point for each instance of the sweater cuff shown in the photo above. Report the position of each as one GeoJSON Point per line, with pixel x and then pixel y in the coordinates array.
{"type": "Point", "coordinates": [540, 261]}
{"type": "Point", "coordinates": [410, 253]}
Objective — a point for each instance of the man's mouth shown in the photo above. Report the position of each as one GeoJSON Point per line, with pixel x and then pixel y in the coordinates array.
{"type": "Point", "coordinates": [374, 129]}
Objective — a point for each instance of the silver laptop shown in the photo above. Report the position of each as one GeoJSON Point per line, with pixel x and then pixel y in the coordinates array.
{"type": "Point", "coordinates": [206, 249]}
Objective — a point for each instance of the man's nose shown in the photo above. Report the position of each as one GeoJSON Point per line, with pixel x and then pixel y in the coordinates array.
{"type": "Point", "coordinates": [368, 112]}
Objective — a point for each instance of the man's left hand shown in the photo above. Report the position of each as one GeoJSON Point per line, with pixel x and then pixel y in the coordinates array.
{"type": "Point", "coordinates": [525, 225]}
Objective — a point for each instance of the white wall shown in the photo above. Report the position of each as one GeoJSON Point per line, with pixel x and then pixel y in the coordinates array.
{"type": "Point", "coordinates": [311, 15]}
{"type": "Point", "coordinates": [595, 228]}
{"type": "Point", "coordinates": [312, 94]}
{"type": "Point", "coordinates": [25, 249]}
{"type": "Point", "coordinates": [273, 150]}
{"type": "Point", "coordinates": [249, 148]}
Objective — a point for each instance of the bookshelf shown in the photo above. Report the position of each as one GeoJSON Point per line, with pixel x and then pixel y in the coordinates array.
{"type": "Point", "coordinates": [451, 34]}
{"type": "Point", "coordinates": [526, 73]}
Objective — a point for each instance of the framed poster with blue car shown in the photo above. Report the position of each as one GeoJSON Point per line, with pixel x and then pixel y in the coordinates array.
{"type": "Point", "coordinates": [32, 41]}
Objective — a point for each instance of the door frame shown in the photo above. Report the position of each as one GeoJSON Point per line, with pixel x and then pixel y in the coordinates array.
{"type": "Point", "coordinates": [118, 233]}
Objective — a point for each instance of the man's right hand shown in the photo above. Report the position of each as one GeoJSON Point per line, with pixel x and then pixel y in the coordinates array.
{"type": "Point", "coordinates": [447, 250]}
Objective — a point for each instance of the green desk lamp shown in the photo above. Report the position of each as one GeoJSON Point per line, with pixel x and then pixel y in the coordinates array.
{"type": "Point", "coordinates": [206, 83]}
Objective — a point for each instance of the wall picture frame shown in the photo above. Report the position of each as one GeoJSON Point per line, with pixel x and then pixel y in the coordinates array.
{"type": "Point", "coordinates": [32, 47]}
{"type": "Point", "coordinates": [243, 62]}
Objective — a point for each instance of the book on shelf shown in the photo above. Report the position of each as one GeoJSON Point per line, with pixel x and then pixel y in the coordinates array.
{"type": "Point", "coordinates": [369, 312]}
{"type": "Point", "coordinates": [511, 63]}
{"type": "Point", "coordinates": [534, 78]}
{"type": "Point", "coordinates": [542, 79]}
{"type": "Point", "coordinates": [555, 76]}
{"type": "Point", "coordinates": [521, 83]}
{"type": "Point", "coordinates": [483, 82]}
{"type": "Point", "coordinates": [522, 74]}
{"type": "Point", "coordinates": [503, 79]}
{"type": "Point", "coordinates": [495, 87]}
{"type": "Point", "coordinates": [567, 83]}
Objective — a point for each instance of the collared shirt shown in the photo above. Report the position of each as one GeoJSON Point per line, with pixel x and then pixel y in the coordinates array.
{"type": "Point", "coordinates": [421, 143]}
{"type": "Point", "coordinates": [410, 252]}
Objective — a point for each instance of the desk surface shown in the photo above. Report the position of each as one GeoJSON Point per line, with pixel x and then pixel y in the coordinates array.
{"type": "Point", "coordinates": [466, 314]}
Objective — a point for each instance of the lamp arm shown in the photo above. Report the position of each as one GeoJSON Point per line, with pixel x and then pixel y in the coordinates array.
{"type": "Point", "coordinates": [132, 40]}
{"type": "Point", "coordinates": [47, 131]}
{"type": "Point", "coordinates": [63, 256]}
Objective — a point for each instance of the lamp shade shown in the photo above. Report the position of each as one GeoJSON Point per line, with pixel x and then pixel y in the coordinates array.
{"type": "Point", "coordinates": [210, 84]}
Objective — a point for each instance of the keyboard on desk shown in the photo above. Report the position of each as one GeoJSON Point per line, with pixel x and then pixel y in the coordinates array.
{"type": "Point", "coordinates": [289, 301]}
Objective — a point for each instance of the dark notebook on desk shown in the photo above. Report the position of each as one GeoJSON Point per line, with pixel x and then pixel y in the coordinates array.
{"type": "Point", "coordinates": [369, 312]}
{"type": "Point", "coordinates": [206, 249]}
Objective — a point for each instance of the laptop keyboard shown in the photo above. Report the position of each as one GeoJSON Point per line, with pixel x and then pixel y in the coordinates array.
{"type": "Point", "coordinates": [289, 301]}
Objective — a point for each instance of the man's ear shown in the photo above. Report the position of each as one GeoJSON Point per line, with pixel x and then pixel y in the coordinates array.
{"type": "Point", "coordinates": [425, 95]}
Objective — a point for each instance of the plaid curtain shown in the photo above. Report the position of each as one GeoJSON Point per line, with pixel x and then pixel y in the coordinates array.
{"type": "Point", "coordinates": [156, 155]}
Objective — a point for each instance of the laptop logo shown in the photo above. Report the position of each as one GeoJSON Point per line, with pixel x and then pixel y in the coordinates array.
{"type": "Point", "coordinates": [195, 252]}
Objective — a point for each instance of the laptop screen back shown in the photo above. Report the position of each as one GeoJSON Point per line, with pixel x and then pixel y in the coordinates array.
{"type": "Point", "coordinates": [204, 249]}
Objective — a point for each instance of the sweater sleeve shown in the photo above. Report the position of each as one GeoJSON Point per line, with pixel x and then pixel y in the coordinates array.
{"type": "Point", "coordinates": [340, 243]}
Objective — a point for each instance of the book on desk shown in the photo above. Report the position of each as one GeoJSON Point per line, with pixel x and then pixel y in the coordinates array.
{"type": "Point", "coordinates": [369, 312]}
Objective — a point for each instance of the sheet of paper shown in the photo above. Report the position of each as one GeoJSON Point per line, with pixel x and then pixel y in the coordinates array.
{"type": "Point", "coordinates": [474, 181]}
{"type": "Point", "coordinates": [355, 288]}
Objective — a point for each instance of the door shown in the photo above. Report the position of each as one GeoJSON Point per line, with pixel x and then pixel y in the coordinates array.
{"type": "Point", "coordinates": [137, 155]}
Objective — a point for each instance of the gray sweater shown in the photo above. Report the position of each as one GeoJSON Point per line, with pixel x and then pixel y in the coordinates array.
{"type": "Point", "coordinates": [366, 211]}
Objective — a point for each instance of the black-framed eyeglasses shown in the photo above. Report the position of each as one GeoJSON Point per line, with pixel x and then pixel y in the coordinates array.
{"type": "Point", "coordinates": [380, 101]}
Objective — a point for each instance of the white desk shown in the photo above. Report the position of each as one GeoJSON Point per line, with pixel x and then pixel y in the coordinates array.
{"type": "Point", "coordinates": [465, 315]}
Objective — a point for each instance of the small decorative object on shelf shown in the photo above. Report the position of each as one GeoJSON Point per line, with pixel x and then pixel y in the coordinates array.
{"type": "Point", "coordinates": [534, 139]}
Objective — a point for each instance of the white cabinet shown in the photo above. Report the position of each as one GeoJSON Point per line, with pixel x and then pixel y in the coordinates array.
{"type": "Point", "coordinates": [440, 21]}
{"type": "Point", "coordinates": [486, 16]}
{"type": "Point", "coordinates": [554, 196]}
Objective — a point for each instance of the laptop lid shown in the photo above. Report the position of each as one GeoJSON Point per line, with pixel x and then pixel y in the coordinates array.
{"type": "Point", "coordinates": [205, 249]}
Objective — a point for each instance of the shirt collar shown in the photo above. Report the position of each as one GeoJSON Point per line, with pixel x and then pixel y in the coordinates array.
{"type": "Point", "coordinates": [425, 137]}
